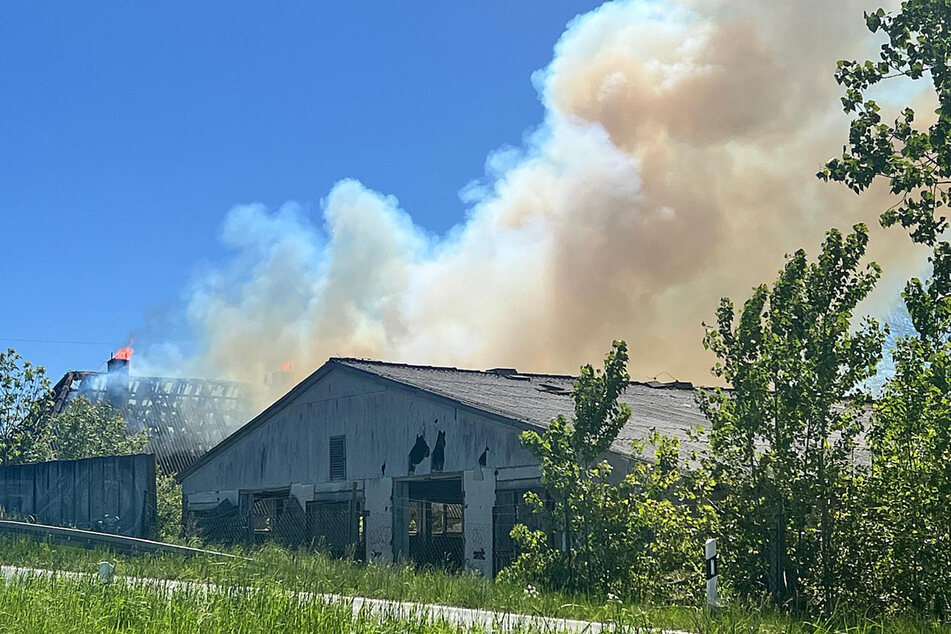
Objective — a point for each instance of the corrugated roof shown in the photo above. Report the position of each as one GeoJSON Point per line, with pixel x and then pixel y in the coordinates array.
{"type": "Point", "coordinates": [536, 399]}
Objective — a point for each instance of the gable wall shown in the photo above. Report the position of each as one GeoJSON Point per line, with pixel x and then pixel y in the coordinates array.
{"type": "Point", "coordinates": [381, 423]}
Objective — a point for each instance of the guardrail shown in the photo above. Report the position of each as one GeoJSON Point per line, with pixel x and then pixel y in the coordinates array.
{"type": "Point", "coordinates": [91, 539]}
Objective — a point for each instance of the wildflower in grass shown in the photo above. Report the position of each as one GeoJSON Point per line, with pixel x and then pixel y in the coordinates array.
{"type": "Point", "coordinates": [531, 591]}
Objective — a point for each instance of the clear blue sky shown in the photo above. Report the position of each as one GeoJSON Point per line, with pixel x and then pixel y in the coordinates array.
{"type": "Point", "coordinates": [127, 131]}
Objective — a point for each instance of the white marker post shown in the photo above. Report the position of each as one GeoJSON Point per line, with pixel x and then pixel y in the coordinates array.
{"type": "Point", "coordinates": [106, 571]}
{"type": "Point", "coordinates": [710, 555]}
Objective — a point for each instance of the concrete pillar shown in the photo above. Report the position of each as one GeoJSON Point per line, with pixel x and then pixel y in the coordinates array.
{"type": "Point", "coordinates": [379, 530]}
{"type": "Point", "coordinates": [479, 489]}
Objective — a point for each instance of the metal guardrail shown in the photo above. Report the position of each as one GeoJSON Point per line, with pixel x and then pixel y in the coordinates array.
{"type": "Point", "coordinates": [91, 539]}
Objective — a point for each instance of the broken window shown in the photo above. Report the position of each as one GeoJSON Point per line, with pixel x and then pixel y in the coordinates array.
{"type": "Point", "coordinates": [265, 513]}
{"type": "Point", "coordinates": [447, 519]}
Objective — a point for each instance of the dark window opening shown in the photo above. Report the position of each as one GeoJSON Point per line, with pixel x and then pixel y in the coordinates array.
{"type": "Point", "coordinates": [266, 509]}
{"type": "Point", "coordinates": [447, 519]}
{"type": "Point", "coordinates": [337, 527]}
{"type": "Point", "coordinates": [338, 457]}
{"type": "Point", "coordinates": [511, 509]}
{"type": "Point", "coordinates": [434, 522]}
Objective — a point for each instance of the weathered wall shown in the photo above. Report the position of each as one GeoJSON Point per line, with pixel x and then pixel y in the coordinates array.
{"type": "Point", "coordinates": [381, 424]}
{"type": "Point", "coordinates": [114, 494]}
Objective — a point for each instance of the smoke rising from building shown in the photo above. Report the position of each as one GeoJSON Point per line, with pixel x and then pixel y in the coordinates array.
{"type": "Point", "coordinates": [675, 165]}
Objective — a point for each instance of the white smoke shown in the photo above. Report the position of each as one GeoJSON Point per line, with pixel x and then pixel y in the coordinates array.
{"type": "Point", "coordinates": [675, 165]}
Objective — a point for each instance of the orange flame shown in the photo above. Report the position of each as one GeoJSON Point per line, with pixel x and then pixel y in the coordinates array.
{"type": "Point", "coordinates": [125, 352]}
{"type": "Point", "coordinates": [287, 366]}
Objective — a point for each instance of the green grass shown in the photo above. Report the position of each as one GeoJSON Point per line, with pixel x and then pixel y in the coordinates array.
{"type": "Point", "coordinates": [69, 605]}
{"type": "Point", "coordinates": [276, 568]}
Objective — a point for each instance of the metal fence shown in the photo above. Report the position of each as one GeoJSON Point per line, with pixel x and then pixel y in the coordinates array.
{"type": "Point", "coordinates": [337, 527]}
{"type": "Point", "coordinates": [436, 534]}
{"type": "Point", "coordinates": [511, 510]}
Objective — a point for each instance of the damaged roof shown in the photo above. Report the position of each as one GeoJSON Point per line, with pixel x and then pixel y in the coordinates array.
{"type": "Point", "coordinates": [185, 417]}
{"type": "Point", "coordinates": [535, 399]}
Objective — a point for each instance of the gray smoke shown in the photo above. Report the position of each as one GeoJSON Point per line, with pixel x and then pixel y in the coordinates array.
{"type": "Point", "coordinates": [675, 165]}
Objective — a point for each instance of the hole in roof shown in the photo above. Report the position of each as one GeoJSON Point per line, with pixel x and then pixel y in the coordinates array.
{"type": "Point", "coordinates": [551, 388]}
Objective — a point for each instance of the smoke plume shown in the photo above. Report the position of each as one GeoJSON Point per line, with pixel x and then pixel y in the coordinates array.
{"type": "Point", "coordinates": [675, 165]}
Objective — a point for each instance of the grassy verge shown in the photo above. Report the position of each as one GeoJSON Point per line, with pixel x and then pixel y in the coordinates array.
{"type": "Point", "coordinates": [59, 606]}
{"type": "Point", "coordinates": [273, 567]}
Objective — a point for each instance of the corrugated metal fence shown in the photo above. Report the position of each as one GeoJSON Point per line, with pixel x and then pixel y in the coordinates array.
{"type": "Point", "coordinates": [113, 494]}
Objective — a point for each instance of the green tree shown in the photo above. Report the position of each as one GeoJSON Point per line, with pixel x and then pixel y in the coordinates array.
{"type": "Point", "coordinates": [630, 535]}
{"type": "Point", "coordinates": [908, 490]}
{"type": "Point", "coordinates": [168, 498]}
{"type": "Point", "coordinates": [88, 430]}
{"type": "Point", "coordinates": [907, 513]}
{"type": "Point", "coordinates": [782, 439]}
{"type": "Point", "coordinates": [24, 404]}
{"type": "Point", "coordinates": [915, 161]}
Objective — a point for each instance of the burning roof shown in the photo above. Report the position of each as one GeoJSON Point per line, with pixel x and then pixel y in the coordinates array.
{"type": "Point", "coordinates": [185, 417]}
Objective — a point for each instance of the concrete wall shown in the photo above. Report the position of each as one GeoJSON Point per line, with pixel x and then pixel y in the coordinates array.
{"type": "Point", "coordinates": [381, 423]}
{"type": "Point", "coordinates": [114, 494]}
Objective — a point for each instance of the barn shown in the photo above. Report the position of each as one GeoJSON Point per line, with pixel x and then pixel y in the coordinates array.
{"type": "Point", "coordinates": [389, 461]}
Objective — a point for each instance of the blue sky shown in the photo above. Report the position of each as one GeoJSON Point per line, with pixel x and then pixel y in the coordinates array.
{"type": "Point", "coordinates": [127, 132]}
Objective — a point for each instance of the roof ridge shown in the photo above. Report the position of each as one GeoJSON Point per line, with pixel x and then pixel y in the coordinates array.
{"type": "Point", "coordinates": [653, 384]}
{"type": "Point", "coordinates": [447, 368]}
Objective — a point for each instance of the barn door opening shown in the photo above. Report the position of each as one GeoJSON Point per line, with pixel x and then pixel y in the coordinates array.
{"type": "Point", "coordinates": [434, 522]}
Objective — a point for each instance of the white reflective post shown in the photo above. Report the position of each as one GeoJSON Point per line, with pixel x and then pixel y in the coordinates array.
{"type": "Point", "coordinates": [710, 555]}
{"type": "Point", "coordinates": [106, 571]}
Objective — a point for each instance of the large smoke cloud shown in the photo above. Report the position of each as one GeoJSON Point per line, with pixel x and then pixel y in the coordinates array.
{"type": "Point", "coordinates": [675, 165]}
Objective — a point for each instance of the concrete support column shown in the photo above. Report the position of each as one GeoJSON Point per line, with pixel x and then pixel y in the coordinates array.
{"type": "Point", "coordinates": [479, 489]}
{"type": "Point", "coordinates": [379, 530]}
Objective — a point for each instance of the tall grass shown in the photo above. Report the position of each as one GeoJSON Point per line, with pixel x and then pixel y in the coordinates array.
{"type": "Point", "coordinates": [277, 568]}
{"type": "Point", "coordinates": [61, 605]}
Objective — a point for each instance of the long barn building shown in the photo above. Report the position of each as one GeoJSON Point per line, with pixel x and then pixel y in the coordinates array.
{"type": "Point", "coordinates": [393, 461]}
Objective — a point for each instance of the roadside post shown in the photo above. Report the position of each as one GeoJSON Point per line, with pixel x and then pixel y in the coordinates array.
{"type": "Point", "coordinates": [106, 571]}
{"type": "Point", "coordinates": [712, 572]}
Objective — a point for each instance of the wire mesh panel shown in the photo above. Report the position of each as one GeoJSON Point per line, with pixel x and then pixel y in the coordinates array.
{"type": "Point", "coordinates": [220, 524]}
{"type": "Point", "coordinates": [511, 510]}
{"type": "Point", "coordinates": [337, 527]}
{"type": "Point", "coordinates": [436, 534]}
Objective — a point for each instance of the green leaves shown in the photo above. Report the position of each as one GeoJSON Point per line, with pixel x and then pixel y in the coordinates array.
{"type": "Point", "coordinates": [30, 433]}
{"type": "Point", "coordinates": [87, 430]}
{"type": "Point", "coordinates": [900, 506]}
{"type": "Point", "coordinates": [633, 535]}
{"type": "Point", "coordinates": [916, 162]}
{"type": "Point", "coordinates": [25, 401]}
{"type": "Point", "coordinates": [781, 439]}
{"type": "Point", "coordinates": [599, 416]}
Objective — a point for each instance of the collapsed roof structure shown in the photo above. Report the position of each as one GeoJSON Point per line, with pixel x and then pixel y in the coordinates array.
{"type": "Point", "coordinates": [185, 417]}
